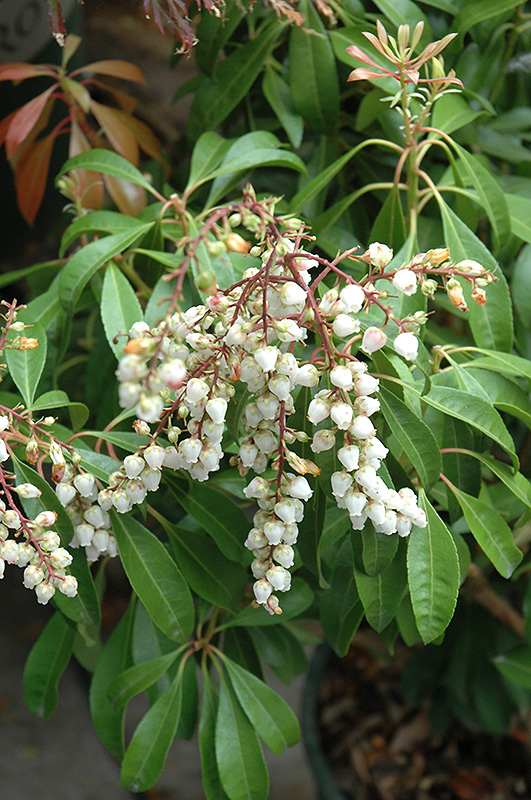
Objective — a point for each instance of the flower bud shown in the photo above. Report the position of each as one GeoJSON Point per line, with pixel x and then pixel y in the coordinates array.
{"type": "Point", "coordinates": [373, 339]}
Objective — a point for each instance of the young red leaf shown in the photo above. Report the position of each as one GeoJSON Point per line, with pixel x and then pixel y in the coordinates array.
{"type": "Point", "coordinates": [31, 177]}
{"type": "Point", "coordinates": [143, 135]}
{"type": "Point", "coordinates": [56, 20]}
{"type": "Point", "coordinates": [16, 71]}
{"type": "Point", "coordinates": [117, 69]}
{"type": "Point", "coordinates": [129, 198]}
{"type": "Point", "coordinates": [89, 184]}
{"type": "Point", "coordinates": [25, 119]}
{"type": "Point", "coordinates": [118, 134]}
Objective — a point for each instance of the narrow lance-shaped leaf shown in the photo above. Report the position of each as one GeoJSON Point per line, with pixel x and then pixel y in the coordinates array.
{"type": "Point", "coordinates": [108, 163]}
{"type": "Point", "coordinates": [239, 757]}
{"type": "Point", "coordinates": [269, 714]}
{"type": "Point", "coordinates": [119, 308]}
{"type": "Point", "coordinates": [341, 609]}
{"type": "Point", "coordinates": [155, 577]}
{"type": "Point", "coordinates": [139, 678]}
{"type": "Point", "coordinates": [433, 574]}
{"type": "Point", "coordinates": [417, 440]}
{"type": "Point", "coordinates": [147, 751]}
{"type": "Point", "coordinates": [381, 596]}
{"type": "Point", "coordinates": [207, 741]}
{"type": "Point", "coordinates": [26, 366]}
{"type": "Point", "coordinates": [491, 532]}
{"type": "Point", "coordinates": [46, 663]}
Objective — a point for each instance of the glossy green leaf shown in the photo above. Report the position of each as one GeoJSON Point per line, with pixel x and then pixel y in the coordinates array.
{"type": "Point", "coordinates": [321, 181]}
{"type": "Point", "coordinates": [491, 532]}
{"type": "Point", "coordinates": [312, 74]}
{"type": "Point", "coordinates": [310, 530]}
{"type": "Point", "coordinates": [95, 222]}
{"type": "Point", "coordinates": [208, 153]}
{"type": "Point", "coordinates": [378, 549]}
{"type": "Point", "coordinates": [100, 160]}
{"type": "Point", "coordinates": [119, 308]}
{"type": "Point", "coordinates": [46, 662]}
{"type": "Point", "coordinates": [521, 285]}
{"type": "Point", "coordinates": [58, 399]}
{"type": "Point", "coordinates": [84, 607]}
{"type": "Point", "coordinates": [516, 665]}
{"type": "Point", "coordinates": [214, 32]}
{"type": "Point", "coordinates": [242, 770]}
{"type": "Point", "coordinates": [515, 481]}
{"type": "Point", "coordinates": [472, 14]}
{"type": "Point", "coordinates": [276, 92]}
{"type": "Point", "coordinates": [293, 604]}
{"type": "Point", "coordinates": [520, 213]}
{"type": "Point", "coordinates": [26, 366]}
{"type": "Point", "coordinates": [381, 595]}
{"type": "Point", "coordinates": [452, 112]}
{"type": "Point", "coordinates": [341, 609]}
{"type": "Point", "coordinates": [144, 758]}
{"type": "Point", "coordinates": [155, 577]}
{"type": "Point", "coordinates": [190, 706]}
{"type": "Point", "coordinates": [475, 412]}
{"type": "Point", "coordinates": [281, 650]}
{"type": "Point", "coordinates": [401, 12]}
{"type": "Point", "coordinates": [415, 437]}
{"type": "Point", "coordinates": [390, 225]}
{"type": "Point", "coordinates": [207, 571]}
{"type": "Point", "coordinates": [491, 324]}
{"type": "Point", "coordinates": [138, 678]}
{"type": "Point", "coordinates": [503, 362]}
{"type": "Point", "coordinates": [433, 574]}
{"type": "Point", "coordinates": [505, 394]}
{"type": "Point", "coordinates": [207, 741]}
{"type": "Point", "coordinates": [240, 647]}
{"type": "Point", "coordinates": [271, 717]}
{"type": "Point", "coordinates": [14, 275]}
{"type": "Point", "coordinates": [215, 99]}
{"type": "Point", "coordinates": [159, 301]}
{"type": "Point", "coordinates": [489, 191]}
{"type": "Point", "coordinates": [460, 468]}
{"type": "Point", "coordinates": [85, 263]}
{"type": "Point", "coordinates": [115, 658]}
{"type": "Point", "coordinates": [221, 518]}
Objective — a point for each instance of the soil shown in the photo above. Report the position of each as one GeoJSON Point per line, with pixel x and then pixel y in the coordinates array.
{"type": "Point", "coordinates": [378, 748]}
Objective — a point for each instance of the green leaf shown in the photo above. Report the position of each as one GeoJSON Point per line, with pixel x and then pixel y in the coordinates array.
{"type": "Point", "coordinates": [100, 160]}
{"type": "Point", "coordinates": [515, 481]}
{"type": "Point", "coordinates": [96, 222]}
{"type": "Point", "coordinates": [489, 191]}
{"type": "Point", "coordinates": [139, 678]}
{"type": "Point", "coordinates": [58, 399]}
{"type": "Point", "coordinates": [119, 308]}
{"type": "Point", "coordinates": [521, 286]}
{"type": "Point", "coordinates": [208, 153]}
{"type": "Point", "coordinates": [159, 301]}
{"type": "Point", "coordinates": [491, 532]}
{"type": "Point", "coordinates": [26, 366]}
{"type": "Point", "coordinates": [144, 759]}
{"type": "Point", "coordinates": [15, 275]}
{"type": "Point", "coordinates": [294, 603]}
{"type": "Point", "coordinates": [491, 324]}
{"type": "Point", "coordinates": [84, 607]}
{"type": "Point", "coordinates": [221, 518]}
{"type": "Point", "coordinates": [321, 181]}
{"type": "Point", "coordinates": [190, 705]}
{"type": "Point", "coordinates": [281, 650]}
{"type": "Point", "coordinates": [433, 574]}
{"type": "Point", "coordinates": [270, 715]}
{"type": "Point", "coordinates": [207, 741]}
{"type": "Point", "coordinates": [207, 571]}
{"type": "Point", "coordinates": [276, 92]}
{"type": "Point", "coordinates": [214, 32]}
{"type": "Point", "coordinates": [239, 757]}
{"type": "Point", "coordinates": [381, 596]}
{"type": "Point", "coordinates": [378, 549]}
{"type": "Point", "coordinates": [460, 468]}
{"type": "Point", "coordinates": [341, 609]}
{"type": "Point", "coordinates": [401, 12]}
{"type": "Point", "coordinates": [515, 665]}
{"type": "Point", "coordinates": [452, 112]}
{"type": "Point", "coordinates": [520, 213]}
{"type": "Point", "coordinates": [255, 149]}
{"type": "Point", "coordinates": [505, 394]}
{"type": "Point", "coordinates": [471, 14]}
{"type": "Point", "coordinates": [503, 362]}
{"type": "Point", "coordinates": [415, 437]}
{"type": "Point", "coordinates": [390, 225]}
{"type": "Point", "coordinates": [215, 99]}
{"type": "Point", "coordinates": [475, 412]}
{"type": "Point", "coordinates": [86, 262]}
{"type": "Point", "coordinates": [46, 662]}
{"type": "Point", "coordinates": [312, 74]}
{"type": "Point", "coordinates": [115, 658]}
{"type": "Point", "coordinates": [310, 530]}
{"type": "Point", "coordinates": [155, 577]}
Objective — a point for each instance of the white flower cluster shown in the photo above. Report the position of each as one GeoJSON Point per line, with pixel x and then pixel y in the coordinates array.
{"type": "Point", "coordinates": [40, 554]}
{"type": "Point", "coordinates": [357, 487]}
